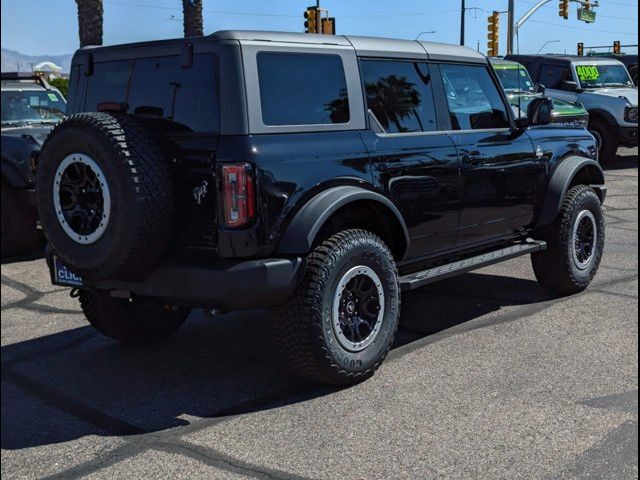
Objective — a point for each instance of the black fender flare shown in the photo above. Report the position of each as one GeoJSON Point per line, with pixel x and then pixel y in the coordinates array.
{"type": "Point", "coordinates": [560, 181]}
{"type": "Point", "coordinates": [301, 232]}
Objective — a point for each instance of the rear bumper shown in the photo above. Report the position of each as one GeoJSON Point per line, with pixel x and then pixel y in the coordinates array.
{"type": "Point", "coordinates": [628, 136]}
{"type": "Point", "coordinates": [221, 285]}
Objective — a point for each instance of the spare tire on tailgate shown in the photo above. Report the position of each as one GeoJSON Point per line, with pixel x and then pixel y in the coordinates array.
{"type": "Point", "coordinates": [104, 196]}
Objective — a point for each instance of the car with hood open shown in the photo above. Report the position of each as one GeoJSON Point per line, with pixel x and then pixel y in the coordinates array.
{"type": "Point", "coordinates": [521, 90]}
{"type": "Point", "coordinates": [602, 85]}
{"type": "Point", "coordinates": [30, 109]}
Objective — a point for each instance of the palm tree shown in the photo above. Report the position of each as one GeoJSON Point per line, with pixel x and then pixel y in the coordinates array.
{"type": "Point", "coordinates": [392, 99]}
{"type": "Point", "coordinates": [90, 15]}
{"type": "Point", "coordinates": [192, 17]}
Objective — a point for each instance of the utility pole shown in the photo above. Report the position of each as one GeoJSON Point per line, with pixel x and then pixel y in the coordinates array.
{"type": "Point", "coordinates": [511, 13]}
{"type": "Point", "coordinates": [462, 17]}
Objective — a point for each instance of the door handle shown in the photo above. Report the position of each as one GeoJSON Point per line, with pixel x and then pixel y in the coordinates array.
{"type": "Point", "coordinates": [473, 159]}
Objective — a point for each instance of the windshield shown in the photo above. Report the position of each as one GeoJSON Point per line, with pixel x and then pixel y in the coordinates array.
{"type": "Point", "coordinates": [514, 78]}
{"type": "Point", "coordinates": [31, 106]}
{"type": "Point", "coordinates": [597, 76]}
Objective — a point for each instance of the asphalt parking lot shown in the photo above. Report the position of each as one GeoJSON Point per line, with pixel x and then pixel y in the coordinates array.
{"type": "Point", "coordinates": [491, 378]}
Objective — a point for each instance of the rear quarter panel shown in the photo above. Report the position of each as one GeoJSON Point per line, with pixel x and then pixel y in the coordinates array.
{"type": "Point", "coordinates": [290, 170]}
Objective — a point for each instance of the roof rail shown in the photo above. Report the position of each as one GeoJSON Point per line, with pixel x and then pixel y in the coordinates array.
{"type": "Point", "coordinates": [38, 77]}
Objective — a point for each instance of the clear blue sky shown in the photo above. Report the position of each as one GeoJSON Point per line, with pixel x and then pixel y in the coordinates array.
{"type": "Point", "coordinates": [50, 27]}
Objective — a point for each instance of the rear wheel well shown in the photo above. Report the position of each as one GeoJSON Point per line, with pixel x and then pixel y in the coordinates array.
{"type": "Point", "coordinates": [367, 215]}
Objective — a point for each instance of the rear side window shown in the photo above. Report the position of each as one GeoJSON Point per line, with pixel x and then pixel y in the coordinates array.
{"type": "Point", "coordinates": [400, 95]}
{"type": "Point", "coordinates": [160, 87]}
{"type": "Point", "coordinates": [552, 76]}
{"type": "Point", "coordinates": [302, 89]}
{"type": "Point", "coordinates": [474, 100]}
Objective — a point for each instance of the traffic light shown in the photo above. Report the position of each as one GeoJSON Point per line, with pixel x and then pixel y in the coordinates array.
{"type": "Point", "coordinates": [563, 9]}
{"type": "Point", "coordinates": [617, 47]}
{"type": "Point", "coordinates": [329, 26]}
{"type": "Point", "coordinates": [311, 23]}
{"type": "Point", "coordinates": [580, 49]}
{"type": "Point", "coordinates": [493, 46]}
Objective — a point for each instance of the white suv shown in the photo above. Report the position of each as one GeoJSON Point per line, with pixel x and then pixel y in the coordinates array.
{"type": "Point", "coordinates": [602, 85]}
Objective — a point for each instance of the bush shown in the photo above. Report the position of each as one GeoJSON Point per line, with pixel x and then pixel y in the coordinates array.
{"type": "Point", "coordinates": [61, 84]}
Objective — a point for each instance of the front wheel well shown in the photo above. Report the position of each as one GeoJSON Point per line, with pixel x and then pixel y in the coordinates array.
{"type": "Point", "coordinates": [601, 115]}
{"type": "Point", "coordinates": [371, 216]}
{"type": "Point", "coordinates": [588, 175]}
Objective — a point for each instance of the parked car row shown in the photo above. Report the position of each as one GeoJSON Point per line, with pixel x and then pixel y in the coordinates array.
{"type": "Point", "coordinates": [602, 85]}
{"type": "Point", "coordinates": [30, 108]}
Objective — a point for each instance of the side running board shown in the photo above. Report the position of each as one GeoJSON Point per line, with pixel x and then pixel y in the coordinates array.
{"type": "Point", "coordinates": [424, 277]}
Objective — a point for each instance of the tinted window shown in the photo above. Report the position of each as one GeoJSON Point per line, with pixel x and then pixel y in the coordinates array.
{"type": "Point", "coordinates": [160, 87]}
{"type": "Point", "coordinates": [107, 84]}
{"type": "Point", "coordinates": [302, 89]}
{"type": "Point", "coordinates": [188, 96]}
{"type": "Point", "coordinates": [400, 95]}
{"type": "Point", "coordinates": [552, 76]}
{"type": "Point", "coordinates": [474, 100]}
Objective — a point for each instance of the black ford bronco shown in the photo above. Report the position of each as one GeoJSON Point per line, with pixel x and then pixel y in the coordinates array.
{"type": "Point", "coordinates": [321, 176]}
{"type": "Point", "coordinates": [30, 109]}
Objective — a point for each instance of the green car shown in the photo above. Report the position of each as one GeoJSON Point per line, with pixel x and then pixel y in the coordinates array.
{"type": "Point", "coordinates": [521, 90]}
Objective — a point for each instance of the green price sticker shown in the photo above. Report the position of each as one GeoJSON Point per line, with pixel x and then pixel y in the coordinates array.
{"type": "Point", "coordinates": [52, 97]}
{"type": "Point", "coordinates": [588, 73]}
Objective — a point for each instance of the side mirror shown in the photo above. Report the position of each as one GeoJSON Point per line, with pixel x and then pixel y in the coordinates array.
{"type": "Point", "coordinates": [539, 88]}
{"type": "Point", "coordinates": [539, 111]}
{"type": "Point", "coordinates": [570, 85]}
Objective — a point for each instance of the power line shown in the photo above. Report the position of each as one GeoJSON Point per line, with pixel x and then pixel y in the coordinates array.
{"type": "Point", "coordinates": [600, 15]}
{"type": "Point", "coordinates": [622, 4]}
{"type": "Point", "coordinates": [282, 15]}
{"type": "Point", "coordinates": [581, 28]}
{"type": "Point", "coordinates": [217, 12]}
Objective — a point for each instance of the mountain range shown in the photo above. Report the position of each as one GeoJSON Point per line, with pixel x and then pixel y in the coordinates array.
{"type": "Point", "coordinates": [12, 60]}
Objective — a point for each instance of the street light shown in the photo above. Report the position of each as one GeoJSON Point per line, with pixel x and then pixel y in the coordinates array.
{"type": "Point", "coordinates": [547, 43]}
{"type": "Point", "coordinates": [425, 33]}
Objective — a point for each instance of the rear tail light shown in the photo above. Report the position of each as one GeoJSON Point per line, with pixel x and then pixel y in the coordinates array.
{"type": "Point", "coordinates": [238, 189]}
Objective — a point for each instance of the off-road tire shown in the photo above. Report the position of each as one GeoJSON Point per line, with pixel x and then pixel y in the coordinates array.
{"type": "Point", "coordinates": [140, 190]}
{"type": "Point", "coordinates": [18, 221]}
{"type": "Point", "coordinates": [606, 137]}
{"type": "Point", "coordinates": [555, 267]}
{"type": "Point", "coordinates": [130, 321]}
{"type": "Point", "coordinates": [303, 326]}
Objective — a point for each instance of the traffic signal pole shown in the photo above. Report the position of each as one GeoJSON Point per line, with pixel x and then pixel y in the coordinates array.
{"type": "Point", "coordinates": [462, 18]}
{"type": "Point", "coordinates": [511, 13]}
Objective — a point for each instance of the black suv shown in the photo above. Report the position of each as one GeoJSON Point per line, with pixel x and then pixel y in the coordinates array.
{"type": "Point", "coordinates": [318, 175]}
{"type": "Point", "coordinates": [30, 109]}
